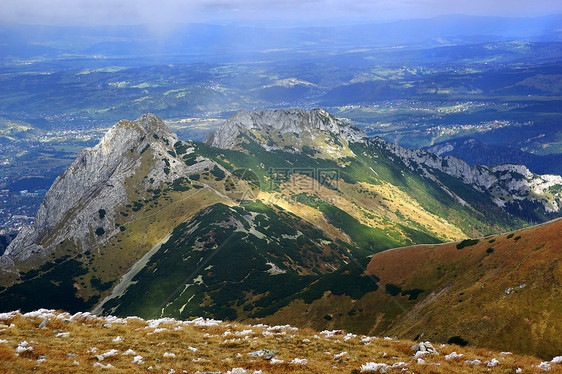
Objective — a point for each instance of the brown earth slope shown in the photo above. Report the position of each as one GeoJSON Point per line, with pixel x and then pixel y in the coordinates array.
{"type": "Point", "coordinates": [502, 291]}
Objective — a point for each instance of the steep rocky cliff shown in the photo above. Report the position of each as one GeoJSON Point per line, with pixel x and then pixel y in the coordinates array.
{"type": "Point", "coordinates": [81, 208]}
{"type": "Point", "coordinates": [511, 184]}
{"type": "Point", "coordinates": [270, 127]}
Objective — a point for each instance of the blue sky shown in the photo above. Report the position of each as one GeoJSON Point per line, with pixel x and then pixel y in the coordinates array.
{"type": "Point", "coordinates": [117, 12]}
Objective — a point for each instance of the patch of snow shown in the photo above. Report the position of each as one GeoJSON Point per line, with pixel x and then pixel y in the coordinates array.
{"type": "Point", "coordinates": [331, 333]}
{"type": "Point", "coordinates": [117, 339]}
{"type": "Point", "coordinates": [236, 371]}
{"type": "Point", "coordinates": [99, 364]}
{"type": "Point", "coordinates": [282, 327]}
{"type": "Point", "coordinates": [453, 355]}
{"type": "Point", "coordinates": [420, 354]}
{"type": "Point", "coordinates": [24, 347]}
{"type": "Point", "coordinates": [203, 322]}
{"type": "Point", "coordinates": [299, 361]}
{"type": "Point", "coordinates": [276, 361]}
{"type": "Point", "coordinates": [244, 332]}
{"type": "Point", "coordinates": [492, 363]}
{"type": "Point", "coordinates": [192, 349]}
{"type": "Point", "coordinates": [138, 360]}
{"type": "Point", "coordinates": [161, 329]}
{"type": "Point", "coordinates": [557, 360]}
{"type": "Point", "coordinates": [544, 366]}
{"type": "Point", "coordinates": [110, 353]}
{"type": "Point", "coordinates": [473, 362]}
{"type": "Point", "coordinates": [129, 352]}
{"type": "Point", "coordinates": [169, 354]}
{"type": "Point", "coordinates": [373, 366]}
{"type": "Point", "coordinates": [339, 355]}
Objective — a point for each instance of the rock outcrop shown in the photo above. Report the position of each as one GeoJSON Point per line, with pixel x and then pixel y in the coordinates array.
{"type": "Point", "coordinates": [284, 121]}
{"type": "Point", "coordinates": [509, 184]}
{"type": "Point", "coordinates": [81, 206]}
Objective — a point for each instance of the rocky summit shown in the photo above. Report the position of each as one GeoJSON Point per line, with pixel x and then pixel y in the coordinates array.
{"type": "Point", "coordinates": [283, 121]}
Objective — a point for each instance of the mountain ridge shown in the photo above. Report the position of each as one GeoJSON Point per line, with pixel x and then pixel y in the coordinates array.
{"type": "Point", "coordinates": [286, 199]}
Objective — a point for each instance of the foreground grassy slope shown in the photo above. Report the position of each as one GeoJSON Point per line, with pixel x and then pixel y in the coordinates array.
{"type": "Point", "coordinates": [46, 341]}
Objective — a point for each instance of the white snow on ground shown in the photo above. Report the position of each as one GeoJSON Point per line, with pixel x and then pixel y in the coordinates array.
{"type": "Point", "coordinates": [373, 366]}
{"type": "Point", "coordinates": [236, 371]}
{"type": "Point", "coordinates": [473, 362]}
{"type": "Point", "coordinates": [138, 360]}
{"type": "Point", "coordinates": [299, 361]}
{"type": "Point", "coordinates": [129, 352]}
{"type": "Point", "coordinates": [453, 355]}
{"type": "Point", "coordinates": [244, 332]}
{"type": "Point", "coordinates": [282, 327]}
{"type": "Point", "coordinates": [339, 355]}
{"type": "Point", "coordinates": [492, 363]}
{"type": "Point", "coordinates": [544, 366]}
{"type": "Point", "coordinates": [99, 364]}
{"type": "Point", "coordinates": [557, 360]}
{"type": "Point", "coordinates": [24, 347]}
{"type": "Point", "coordinates": [110, 353]}
{"type": "Point", "coordinates": [169, 354]}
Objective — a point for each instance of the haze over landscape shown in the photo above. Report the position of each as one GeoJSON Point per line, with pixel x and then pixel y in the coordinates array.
{"type": "Point", "coordinates": [277, 187]}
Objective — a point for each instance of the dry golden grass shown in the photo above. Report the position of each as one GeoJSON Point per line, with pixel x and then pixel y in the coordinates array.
{"type": "Point", "coordinates": [69, 344]}
{"type": "Point", "coordinates": [502, 292]}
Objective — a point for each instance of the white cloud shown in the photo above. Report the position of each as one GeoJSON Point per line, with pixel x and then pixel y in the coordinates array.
{"type": "Point", "coordinates": [184, 11]}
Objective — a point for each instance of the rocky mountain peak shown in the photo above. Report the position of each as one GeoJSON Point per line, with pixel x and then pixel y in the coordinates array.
{"type": "Point", "coordinates": [126, 133]}
{"type": "Point", "coordinates": [96, 180]}
{"type": "Point", "coordinates": [283, 121]}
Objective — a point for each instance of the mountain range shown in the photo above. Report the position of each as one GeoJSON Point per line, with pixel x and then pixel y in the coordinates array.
{"type": "Point", "coordinates": [277, 213]}
{"type": "Point", "coordinates": [475, 152]}
{"type": "Point", "coordinates": [212, 42]}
